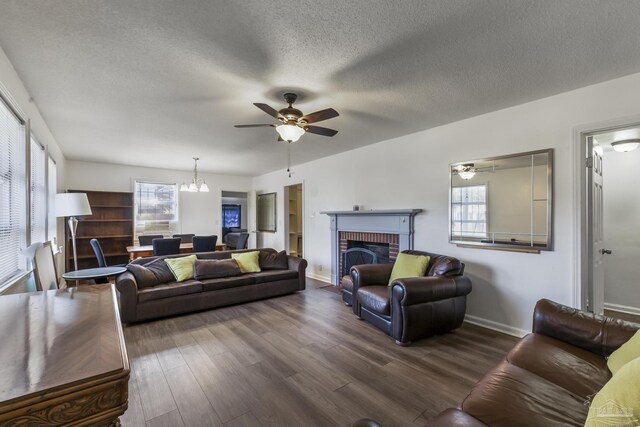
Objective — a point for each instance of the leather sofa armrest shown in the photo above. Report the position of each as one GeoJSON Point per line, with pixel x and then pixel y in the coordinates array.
{"type": "Point", "coordinates": [454, 418]}
{"type": "Point", "coordinates": [370, 275]}
{"type": "Point", "coordinates": [598, 334]}
{"type": "Point", "coordinates": [299, 265]}
{"type": "Point", "coordinates": [128, 289]}
{"type": "Point", "coordinates": [418, 290]}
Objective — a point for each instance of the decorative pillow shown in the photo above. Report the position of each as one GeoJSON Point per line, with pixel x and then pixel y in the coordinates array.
{"type": "Point", "coordinates": [618, 402]}
{"type": "Point", "coordinates": [182, 267]}
{"type": "Point", "coordinates": [214, 269]}
{"type": "Point", "coordinates": [409, 266]}
{"type": "Point", "coordinates": [248, 261]}
{"type": "Point", "coordinates": [274, 261]}
{"type": "Point", "coordinates": [151, 274]}
{"type": "Point", "coordinates": [625, 354]}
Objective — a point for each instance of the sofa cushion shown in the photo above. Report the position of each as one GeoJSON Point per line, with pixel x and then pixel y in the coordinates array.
{"type": "Point", "coordinates": [182, 267]}
{"type": "Point", "coordinates": [375, 298]}
{"type": "Point", "coordinates": [214, 269]}
{"type": "Point", "coordinates": [511, 396]}
{"type": "Point", "coordinates": [169, 290]}
{"type": "Point", "coordinates": [347, 283]}
{"type": "Point", "coordinates": [407, 265]}
{"type": "Point", "coordinates": [248, 261]}
{"type": "Point", "coordinates": [275, 275]}
{"type": "Point", "coordinates": [151, 274]}
{"type": "Point", "coordinates": [227, 282]}
{"type": "Point", "coordinates": [552, 360]}
{"type": "Point", "coordinates": [625, 354]}
{"type": "Point", "coordinates": [273, 260]}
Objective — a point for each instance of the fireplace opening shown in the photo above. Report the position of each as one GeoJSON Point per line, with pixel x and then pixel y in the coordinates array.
{"type": "Point", "coordinates": [380, 249]}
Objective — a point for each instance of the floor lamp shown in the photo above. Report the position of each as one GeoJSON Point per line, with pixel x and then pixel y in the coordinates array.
{"type": "Point", "coordinates": [72, 205]}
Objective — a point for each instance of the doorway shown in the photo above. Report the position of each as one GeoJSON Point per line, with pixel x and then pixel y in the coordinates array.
{"type": "Point", "coordinates": [611, 237]}
{"type": "Point", "coordinates": [293, 206]}
{"type": "Point", "coordinates": [234, 216]}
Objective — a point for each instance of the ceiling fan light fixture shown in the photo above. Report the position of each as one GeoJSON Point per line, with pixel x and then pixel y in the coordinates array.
{"type": "Point", "coordinates": [626, 145]}
{"type": "Point", "coordinates": [290, 133]}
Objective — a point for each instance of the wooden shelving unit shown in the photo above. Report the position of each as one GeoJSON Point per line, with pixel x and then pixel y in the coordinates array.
{"type": "Point", "coordinates": [111, 223]}
{"type": "Point", "coordinates": [295, 220]}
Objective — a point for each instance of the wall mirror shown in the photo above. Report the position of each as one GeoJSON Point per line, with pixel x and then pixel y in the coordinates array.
{"type": "Point", "coordinates": [503, 202]}
{"type": "Point", "coordinates": [266, 212]}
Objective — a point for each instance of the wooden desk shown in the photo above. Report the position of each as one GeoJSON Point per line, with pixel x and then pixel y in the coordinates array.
{"type": "Point", "coordinates": [144, 251]}
{"type": "Point", "coordinates": [63, 359]}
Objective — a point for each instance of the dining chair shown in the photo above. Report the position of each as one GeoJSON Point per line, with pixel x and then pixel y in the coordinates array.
{"type": "Point", "coordinates": [170, 246]}
{"type": "Point", "coordinates": [186, 238]}
{"type": "Point", "coordinates": [204, 243]}
{"type": "Point", "coordinates": [241, 243]}
{"type": "Point", "coordinates": [44, 267]}
{"type": "Point", "coordinates": [146, 239]}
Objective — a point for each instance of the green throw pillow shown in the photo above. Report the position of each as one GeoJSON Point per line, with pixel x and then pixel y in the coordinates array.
{"type": "Point", "coordinates": [182, 268]}
{"type": "Point", "coordinates": [409, 266]}
{"type": "Point", "coordinates": [618, 402]}
{"type": "Point", "coordinates": [625, 354]}
{"type": "Point", "coordinates": [249, 262]}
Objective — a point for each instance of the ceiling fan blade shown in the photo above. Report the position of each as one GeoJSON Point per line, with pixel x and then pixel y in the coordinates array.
{"type": "Point", "coordinates": [321, 115]}
{"type": "Point", "coordinates": [269, 110]}
{"type": "Point", "coordinates": [318, 130]}
{"type": "Point", "coordinates": [253, 126]}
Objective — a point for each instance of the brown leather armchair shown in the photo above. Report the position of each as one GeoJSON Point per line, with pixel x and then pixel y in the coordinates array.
{"type": "Point", "coordinates": [412, 308]}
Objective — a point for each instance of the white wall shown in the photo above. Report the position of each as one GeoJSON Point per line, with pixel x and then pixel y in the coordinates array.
{"type": "Point", "coordinates": [412, 172]}
{"type": "Point", "coordinates": [11, 87]}
{"type": "Point", "coordinates": [199, 213]}
{"type": "Point", "coordinates": [622, 229]}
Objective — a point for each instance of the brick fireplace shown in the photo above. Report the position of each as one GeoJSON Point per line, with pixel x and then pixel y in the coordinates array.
{"type": "Point", "coordinates": [386, 232]}
{"type": "Point", "coordinates": [385, 245]}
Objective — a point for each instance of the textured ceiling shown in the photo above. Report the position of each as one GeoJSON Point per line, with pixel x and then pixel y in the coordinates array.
{"type": "Point", "coordinates": [156, 82]}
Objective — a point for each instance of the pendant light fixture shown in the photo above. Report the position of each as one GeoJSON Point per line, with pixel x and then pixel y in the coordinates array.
{"type": "Point", "coordinates": [197, 184]}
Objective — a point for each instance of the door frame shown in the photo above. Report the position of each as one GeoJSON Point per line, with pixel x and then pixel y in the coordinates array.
{"type": "Point", "coordinates": [582, 247]}
{"type": "Point", "coordinates": [285, 210]}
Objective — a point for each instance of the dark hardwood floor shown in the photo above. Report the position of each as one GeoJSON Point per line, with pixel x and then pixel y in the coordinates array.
{"type": "Point", "coordinates": [298, 360]}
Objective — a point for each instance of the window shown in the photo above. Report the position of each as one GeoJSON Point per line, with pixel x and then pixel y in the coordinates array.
{"type": "Point", "coordinates": [231, 216]}
{"type": "Point", "coordinates": [469, 211]}
{"type": "Point", "coordinates": [156, 208]}
{"type": "Point", "coordinates": [38, 192]}
{"type": "Point", "coordinates": [52, 179]}
{"type": "Point", "coordinates": [13, 216]}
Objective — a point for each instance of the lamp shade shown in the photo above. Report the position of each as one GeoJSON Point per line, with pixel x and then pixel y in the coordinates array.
{"type": "Point", "coordinates": [290, 133]}
{"type": "Point", "coordinates": [72, 204]}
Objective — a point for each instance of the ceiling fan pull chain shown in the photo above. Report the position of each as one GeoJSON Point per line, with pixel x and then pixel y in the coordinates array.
{"type": "Point", "coordinates": [289, 159]}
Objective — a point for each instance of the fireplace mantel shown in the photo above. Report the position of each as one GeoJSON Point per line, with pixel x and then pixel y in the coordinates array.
{"type": "Point", "coordinates": [388, 221]}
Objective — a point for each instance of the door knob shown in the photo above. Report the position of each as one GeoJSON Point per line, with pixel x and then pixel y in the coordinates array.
{"type": "Point", "coordinates": [605, 251]}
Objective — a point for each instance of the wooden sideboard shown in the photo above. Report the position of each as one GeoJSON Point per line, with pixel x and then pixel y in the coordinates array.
{"type": "Point", "coordinates": [63, 359]}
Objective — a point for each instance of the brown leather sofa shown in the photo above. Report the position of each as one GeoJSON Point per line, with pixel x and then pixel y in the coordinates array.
{"type": "Point", "coordinates": [548, 378]}
{"type": "Point", "coordinates": [413, 308]}
{"type": "Point", "coordinates": [139, 302]}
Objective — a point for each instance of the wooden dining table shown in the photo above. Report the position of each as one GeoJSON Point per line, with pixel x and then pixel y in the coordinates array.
{"type": "Point", "coordinates": [147, 250]}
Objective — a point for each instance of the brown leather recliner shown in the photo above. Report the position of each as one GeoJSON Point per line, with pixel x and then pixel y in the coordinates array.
{"type": "Point", "coordinates": [412, 308]}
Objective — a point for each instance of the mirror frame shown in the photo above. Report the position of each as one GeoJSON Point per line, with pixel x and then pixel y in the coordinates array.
{"type": "Point", "coordinates": [275, 212]}
{"type": "Point", "coordinates": [505, 246]}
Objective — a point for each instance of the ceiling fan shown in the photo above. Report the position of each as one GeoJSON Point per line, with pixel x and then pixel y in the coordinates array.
{"type": "Point", "coordinates": [293, 124]}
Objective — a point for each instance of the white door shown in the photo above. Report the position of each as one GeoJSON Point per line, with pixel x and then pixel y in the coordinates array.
{"type": "Point", "coordinates": [596, 228]}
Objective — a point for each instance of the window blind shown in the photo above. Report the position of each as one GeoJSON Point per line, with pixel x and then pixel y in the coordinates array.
{"type": "Point", "coordinates": [52, 185]}
{"type": "Point", "coordinates": [38, 192]}
{"type": "Point", "coordinates": [12, 193]}
{"type": "Point", "coordinates": [156, 207]}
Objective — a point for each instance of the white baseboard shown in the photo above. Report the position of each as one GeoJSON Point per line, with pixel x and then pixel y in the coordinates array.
{"type": "Point", "coordinates": [320, 278]}
{"type": "Point", "coordinates": [495, 326]}
{"type": "Point", "coordinates": [622, 308]}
